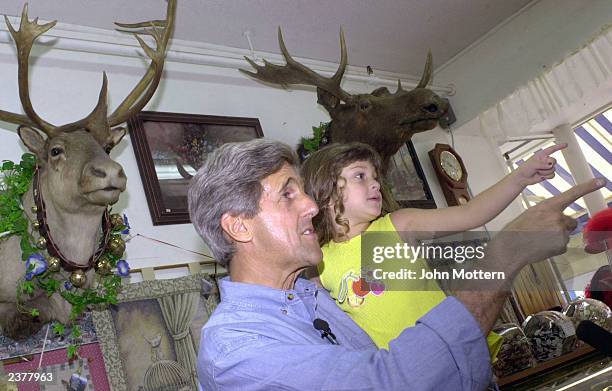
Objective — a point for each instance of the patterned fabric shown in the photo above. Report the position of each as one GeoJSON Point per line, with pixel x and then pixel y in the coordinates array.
{"type": "Point", "coordinates": [55, 362]}
{"type": "Point", "coordinates": [10, 348]}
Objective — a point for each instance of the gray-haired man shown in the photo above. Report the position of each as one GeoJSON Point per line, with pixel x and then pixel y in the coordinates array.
{"type": "Point", "coordinates": [248, 204]}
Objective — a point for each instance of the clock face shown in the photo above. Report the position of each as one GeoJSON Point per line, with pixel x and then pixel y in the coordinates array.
{"type": "Point", "coordinates": [451, 165]}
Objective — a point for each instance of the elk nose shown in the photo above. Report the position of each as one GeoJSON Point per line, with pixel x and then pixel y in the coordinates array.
{"type": "Point", "coordinates": [432, 108]}
{"type": "Point", "coordinates": [97, 172]}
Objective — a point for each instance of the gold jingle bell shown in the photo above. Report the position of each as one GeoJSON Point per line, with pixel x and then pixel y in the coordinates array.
{"type": "Point", "coordinates": [53, 264]}
{"type": "Point", "coordinates": [36, 224]}
{"type": "Point", "coordinates": [41, 243]}
{"type": "Point", "coordinates": [116, 220]}
{"type": "Point", "coordinates": [78, 278]}
{"type": "Point", "coordinates": [34, 208]}
{"type": "Point", "coordinates": [103, 267]}
{"type": "Point", "coordinates": [117, 246]}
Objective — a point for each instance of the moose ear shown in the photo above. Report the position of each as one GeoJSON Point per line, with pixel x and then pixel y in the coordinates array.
{"type": "Point", "coordinates": [382, 91]}
{"type": "Point", "coordinates": [33, 140]}
{"type": "Point", "coordinates": [327, 100]}
{"type": "Point", "coordinates": [117, 134]}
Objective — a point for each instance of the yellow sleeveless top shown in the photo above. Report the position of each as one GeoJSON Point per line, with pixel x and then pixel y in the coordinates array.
{"type": "Point", "coordinates": [383, 314]}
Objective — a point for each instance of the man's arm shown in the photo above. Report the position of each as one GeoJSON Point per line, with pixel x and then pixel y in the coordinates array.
{"type": "Point", "coordinates": [444, 351]}
{"type": "Point", "coordinates": [539, 233]}
{"type": "Point", "coordinates": [482, 208]}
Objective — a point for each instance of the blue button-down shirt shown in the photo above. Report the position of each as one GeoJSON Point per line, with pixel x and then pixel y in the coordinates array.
{"type": "Point", "coordinates": [261, 338]}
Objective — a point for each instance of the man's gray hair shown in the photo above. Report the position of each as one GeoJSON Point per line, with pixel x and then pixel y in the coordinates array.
{"type": "Point", "coordinates": [229, 182]}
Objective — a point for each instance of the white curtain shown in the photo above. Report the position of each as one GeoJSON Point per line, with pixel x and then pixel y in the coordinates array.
{"type": "Point", "coordinates": [581, 80]}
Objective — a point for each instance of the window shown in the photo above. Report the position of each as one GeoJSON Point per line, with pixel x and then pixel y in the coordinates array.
{"type": "Point", "coordinates": [595, 139]}
{"type": "Point", "coordinates": [594, 136]}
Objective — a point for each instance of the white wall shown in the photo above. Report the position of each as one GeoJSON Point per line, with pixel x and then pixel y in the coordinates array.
{"type": "Point", "coordinates": [542, 35]}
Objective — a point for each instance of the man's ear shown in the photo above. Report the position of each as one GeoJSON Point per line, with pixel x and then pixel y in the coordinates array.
{"type": "Point", "coordinates": [32, 139]}
{"type": "Point", "coordinates": [236, 227]}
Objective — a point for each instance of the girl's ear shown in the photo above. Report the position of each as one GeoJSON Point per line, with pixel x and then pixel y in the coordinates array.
{"type": "Point", "coordinates": [341, 182]}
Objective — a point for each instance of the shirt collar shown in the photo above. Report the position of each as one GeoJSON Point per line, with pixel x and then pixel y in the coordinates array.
{"type": "Point", "coordinates": [243, 292]}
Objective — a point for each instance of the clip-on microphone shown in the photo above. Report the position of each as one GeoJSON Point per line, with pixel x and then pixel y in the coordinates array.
{"type": "Point", "coordinates": [323, 327]}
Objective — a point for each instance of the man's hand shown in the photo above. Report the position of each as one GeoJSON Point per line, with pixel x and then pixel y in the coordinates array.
{"type": "Point", "coordinates": [539, 167]}
{"type": "Point", "coordinates": [543, 230]}
{"type": "Point", "coordinates": [540, 232]}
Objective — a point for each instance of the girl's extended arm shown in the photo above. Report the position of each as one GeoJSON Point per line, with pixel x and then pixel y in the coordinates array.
{"type": "Point", "coordinates": [424, 223]}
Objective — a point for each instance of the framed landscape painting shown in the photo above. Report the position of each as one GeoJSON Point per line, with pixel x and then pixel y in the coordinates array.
{"type": "Point", "coordinates": [169, 149]}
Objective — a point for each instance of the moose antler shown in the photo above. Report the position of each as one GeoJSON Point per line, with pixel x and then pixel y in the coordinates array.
{"type": "Point", "coordinates": [426, 78]}
{"type": "Point", "coordinates": [96, 122]}
{"type": "Point", "coordinates": [295, 73]}
{"type": "Point", "coordinates": [384, 120]}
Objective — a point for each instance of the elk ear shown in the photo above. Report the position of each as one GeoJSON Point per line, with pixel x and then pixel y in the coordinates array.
{"type": "Point", "coordinates": [117, 134]}
{"type": "Point", "coordinates": [327, 100]}
{"type": "Point", "coordinates": [33, 140]}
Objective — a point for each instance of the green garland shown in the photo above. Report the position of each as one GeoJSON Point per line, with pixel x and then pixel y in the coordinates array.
{"type": "Point", "coordinates": [313, 143]}
{"type": "Point", "coordinates": [16, 179]}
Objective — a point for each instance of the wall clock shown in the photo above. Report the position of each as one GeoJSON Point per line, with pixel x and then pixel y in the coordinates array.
{"type": "Point", "coordinates": [451, 173]}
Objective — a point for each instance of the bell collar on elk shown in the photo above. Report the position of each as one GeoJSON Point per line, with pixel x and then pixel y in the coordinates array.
{"type": "Point", "coordinates": [49, 244]}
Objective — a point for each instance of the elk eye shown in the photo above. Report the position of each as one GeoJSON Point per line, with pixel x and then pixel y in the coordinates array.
{"type": "Point", "coordinates": [56, 151]}
{"type": "Point", "coordinates": [364, 105]}
{"type": "Point", "coordinates": [432, 108]}
{"type": "Point", "coordinates": [107, 149]}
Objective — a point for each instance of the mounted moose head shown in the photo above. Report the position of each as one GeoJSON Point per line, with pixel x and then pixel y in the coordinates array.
{"type": "Point", "coordinates": [384, 120]}
{"type": "Point", "coordinates": [75, 180]}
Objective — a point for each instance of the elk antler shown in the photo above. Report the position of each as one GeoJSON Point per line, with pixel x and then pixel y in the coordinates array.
{"type": "Point", "coordinates": [28, 32]}
{"type": "Point", "coordinates": [160, 30]}
{"type": "Point", "coordinates": [295, 73]}
{"type": "Point", "coordinates": [97, 121]}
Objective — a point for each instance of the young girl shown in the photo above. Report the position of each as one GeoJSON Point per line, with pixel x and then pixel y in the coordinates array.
{"type": "Point", "coordinates": [344, 181]}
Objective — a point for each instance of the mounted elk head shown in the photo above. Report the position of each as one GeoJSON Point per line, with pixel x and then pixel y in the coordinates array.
{"type": "Point", "coordinates": [76, 179]}
{"type": "Point", "coordinates": [382, 119]}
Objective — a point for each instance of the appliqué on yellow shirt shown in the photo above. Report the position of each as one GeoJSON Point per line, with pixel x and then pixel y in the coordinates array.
{"type": "Point", "coordinates": [354, 289]}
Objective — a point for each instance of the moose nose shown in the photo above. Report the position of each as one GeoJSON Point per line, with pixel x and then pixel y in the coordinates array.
{"type": "Point", "coordinates": [432, 108]}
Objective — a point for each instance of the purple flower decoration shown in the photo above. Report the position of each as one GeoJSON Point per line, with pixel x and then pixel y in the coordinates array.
{"type": "Point", "coordinates": [123, 268]}
{"type": "Point", "coordinates": [35, 265]}
{"type": "Point", "coordinates": [126, 231]}
{"type": "Point", "coordinates": [67, 285]}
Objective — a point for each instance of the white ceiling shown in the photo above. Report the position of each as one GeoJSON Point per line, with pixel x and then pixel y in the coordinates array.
{"type": "Point", "coordinates": [390, 35]}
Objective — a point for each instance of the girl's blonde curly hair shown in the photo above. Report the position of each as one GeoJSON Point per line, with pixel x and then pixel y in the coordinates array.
{"type": "Point", "coordinates": [321, 173]}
